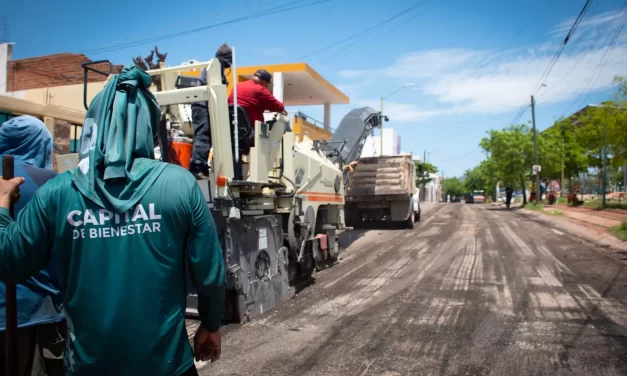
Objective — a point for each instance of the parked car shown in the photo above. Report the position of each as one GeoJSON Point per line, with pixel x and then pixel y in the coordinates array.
{"type": "Point", "coordinates": [479, 197]}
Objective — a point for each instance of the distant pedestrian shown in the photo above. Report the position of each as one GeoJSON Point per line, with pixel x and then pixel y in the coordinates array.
{"type": "Point", "coordinates": [508, 196]}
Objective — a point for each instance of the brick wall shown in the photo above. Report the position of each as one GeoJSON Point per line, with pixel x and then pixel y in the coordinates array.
{"type": "Point", "coordinates": [51, 70]}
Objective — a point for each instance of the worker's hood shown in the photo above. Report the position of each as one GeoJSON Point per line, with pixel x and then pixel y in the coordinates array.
{"type": "Point", "coordinates": [28, 140]}
{"type": "Point", "coordinates": [225, 55]}
{"type": "Point", "coordinates": [117, 164]}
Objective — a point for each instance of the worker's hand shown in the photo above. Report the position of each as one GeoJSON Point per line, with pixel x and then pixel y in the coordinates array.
{"type": "Point", "coordinates": [207, 345]}
{"type": "Point", "coordinates": [10, 191]}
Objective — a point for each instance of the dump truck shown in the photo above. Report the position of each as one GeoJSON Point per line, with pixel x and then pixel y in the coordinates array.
{"type": "Point", "coordinates": [382, 189]}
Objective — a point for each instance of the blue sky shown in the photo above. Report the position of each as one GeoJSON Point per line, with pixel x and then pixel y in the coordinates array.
{"type": "Point", "coordinates": [474, 64]}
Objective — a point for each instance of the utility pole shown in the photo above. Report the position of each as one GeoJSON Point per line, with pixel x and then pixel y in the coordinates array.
{"type": "Point", "coordinates": [604, 161]}
{"type": "Point", "coordinates": [381, 127]}
{"type": "Point", "coordinates": [443, 193]}
{"type": "Point", "coordinates": [535, 147]}
{"type": "Point", "coordinates": [563, 162]}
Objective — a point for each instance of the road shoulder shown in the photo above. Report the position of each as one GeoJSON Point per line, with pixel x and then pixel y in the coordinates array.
{"type": "Point", "coordinates": [598, 239]}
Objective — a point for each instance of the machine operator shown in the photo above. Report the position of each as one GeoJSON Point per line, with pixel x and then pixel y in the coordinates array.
{"type": "Point", "coordinates": [253, 95]}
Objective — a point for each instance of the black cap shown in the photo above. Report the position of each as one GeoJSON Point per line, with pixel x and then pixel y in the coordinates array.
{"type": "Point", "coordinates": [264, 75]}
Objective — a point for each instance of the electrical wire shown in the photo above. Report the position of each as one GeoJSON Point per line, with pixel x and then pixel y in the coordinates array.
{"type": "Point", "coordinates": [604, 59]}
{"type": "Point", "coordinates": [578, 62]}
{"type": "Point", "coordinates": [548, 70]}
{"type": "Point", "coordinates": [272, 11]}
{"type": "Point", "coordinates": [348, 47]}
{"type": "Point", "coordinates": [462, 156]}
{"type": "Point", "coordinates": [553, 61]}
{"type": "Point", "coordinates": [365, 31]}
{"type": "Point", "coordinates": [187, 22]}
{"type": "Point", "coordinates": [600, 66]}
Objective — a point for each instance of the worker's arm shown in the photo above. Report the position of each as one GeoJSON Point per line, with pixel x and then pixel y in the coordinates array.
{"type": "Point", "coordinates": [206, 263]}
{"type": "Point", "coordinates": [269, 102]}
{"type": "Point", "coordinates": [25, 244]}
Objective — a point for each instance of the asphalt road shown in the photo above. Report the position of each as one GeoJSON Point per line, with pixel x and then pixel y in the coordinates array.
{"type": "Point", "coordinates": [472, 290]}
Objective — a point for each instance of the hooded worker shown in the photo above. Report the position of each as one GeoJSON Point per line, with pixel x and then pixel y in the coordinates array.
{"type": "Point", "coordinates": [200, 117]}
{"type": "Point", "coordinates": [39, 302]}
{"type": "Point", "coordinates": [125, 226]}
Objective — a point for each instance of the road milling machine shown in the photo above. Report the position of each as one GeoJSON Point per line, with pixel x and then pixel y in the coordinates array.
{"type": "Point", "coordinates": [277, 203]}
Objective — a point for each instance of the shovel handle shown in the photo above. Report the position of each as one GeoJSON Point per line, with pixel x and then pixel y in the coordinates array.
{"type": "Point", "coordinates": [8, 173]}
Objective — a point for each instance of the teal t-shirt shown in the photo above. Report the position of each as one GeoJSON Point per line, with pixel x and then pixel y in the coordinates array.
{"type": "Point", "coordinates": [122, 274]}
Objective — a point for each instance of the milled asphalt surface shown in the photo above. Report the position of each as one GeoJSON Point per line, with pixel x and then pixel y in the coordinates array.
{"type": "Point", "coordinates": [472, 290]}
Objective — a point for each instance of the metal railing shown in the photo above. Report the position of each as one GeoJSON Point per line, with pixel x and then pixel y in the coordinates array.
{"type": "Point", "coordinates": [313, 121]}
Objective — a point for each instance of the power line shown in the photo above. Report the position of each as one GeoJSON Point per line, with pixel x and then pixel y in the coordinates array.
{"type": "Point", "coordinates": [578, 62]}
{"type": "Point", "coordinates": [365, 31]}
{"type": "Point", "coordinates": [272, 11]}
{"type": "Point", "coordinates": [553, 61]}
{"type": "Point", "coordinates": [605, 58]}
{"type": "Point", "coordinates": [187, 22]}
{"type": "Point", "coordinates": [600, 66]}
{"type": "Point", "coordinates": [548, 70]}
{"type": "Point", "coordinates": [348, 47]}
{"type": "Point", "coordinates": [462, 156]}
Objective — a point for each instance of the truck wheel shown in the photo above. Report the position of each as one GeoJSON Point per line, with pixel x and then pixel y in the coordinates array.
{"type": "Point", "coordinates": [410, 221]}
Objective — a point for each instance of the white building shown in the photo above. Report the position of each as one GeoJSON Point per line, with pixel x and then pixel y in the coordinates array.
{"type": "Point", "coordinates": [433, 189]}
{"type": "Point", "coordinates": [391, 144]}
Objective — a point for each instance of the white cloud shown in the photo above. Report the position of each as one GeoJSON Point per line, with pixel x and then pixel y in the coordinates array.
{"type": "Point", "coordinates": [400, 112]}
{"type": "Point", "coordinates": [479, 81]}
{"type": "Point", "coordinates": [586, 23]}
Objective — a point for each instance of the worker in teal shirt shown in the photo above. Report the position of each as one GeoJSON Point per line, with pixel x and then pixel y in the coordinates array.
{"type": "Point", "coordinates": [124, 226]}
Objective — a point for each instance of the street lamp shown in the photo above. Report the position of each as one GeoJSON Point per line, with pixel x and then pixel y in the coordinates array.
{"type": "Point", "coordinates": [381, 114]}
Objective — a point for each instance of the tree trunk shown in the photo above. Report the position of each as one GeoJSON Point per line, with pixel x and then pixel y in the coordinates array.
{"type": "Point", "coordinates": [524, 191]}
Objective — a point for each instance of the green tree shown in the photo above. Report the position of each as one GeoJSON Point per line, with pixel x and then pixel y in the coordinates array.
{"type": "Point", "coordinates": [481, 178]}
{"type": "Point", "coordinates": [428, 170]}
{"type": "Point", "coordinates": [560, 143]}
{"type": "Point", "coordinates": [473, 179]}
{"type": "Point", "coordinates": [510, 155]}
{"type": "Point", "coordinates": [454, 187]}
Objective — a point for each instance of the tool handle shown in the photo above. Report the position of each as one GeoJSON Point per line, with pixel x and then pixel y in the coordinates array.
{"type": "Point", "coordinates": [8, 173]}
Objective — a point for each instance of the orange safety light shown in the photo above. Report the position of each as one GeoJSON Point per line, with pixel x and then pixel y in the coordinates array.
{"type": "Point", "coordinates": [221, 181]}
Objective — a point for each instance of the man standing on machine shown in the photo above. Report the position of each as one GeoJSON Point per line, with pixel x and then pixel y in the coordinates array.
{"type": "Point", "coordinates": [200, 118]}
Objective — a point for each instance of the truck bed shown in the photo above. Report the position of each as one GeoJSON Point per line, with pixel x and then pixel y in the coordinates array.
{"type": "Point", "coordinates": [383, 176]}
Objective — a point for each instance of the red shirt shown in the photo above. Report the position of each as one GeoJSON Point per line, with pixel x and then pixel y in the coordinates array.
{"type": "Point", "coordinates": [256, 99]}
